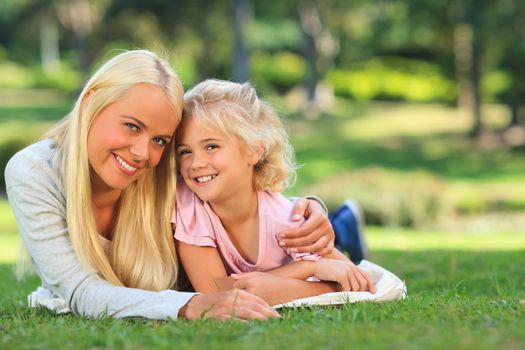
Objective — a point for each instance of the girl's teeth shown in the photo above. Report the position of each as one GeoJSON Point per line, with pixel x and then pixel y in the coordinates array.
{"type": "Point", "coordinates": [205, 178]}
{"type": "Point", "coordinates": [124, 164]}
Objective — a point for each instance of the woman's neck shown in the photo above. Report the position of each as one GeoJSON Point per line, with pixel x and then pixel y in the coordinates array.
{"type": "Point", "coordinates": [105, 210]}
{"type": "Point", "coordinates": [105, 198]}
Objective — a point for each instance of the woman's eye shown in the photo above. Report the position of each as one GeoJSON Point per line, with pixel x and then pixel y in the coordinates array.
{"type": "Point", "coordinates": [160, 141]}
{"type": "Point", "coordinates": [132, 126]}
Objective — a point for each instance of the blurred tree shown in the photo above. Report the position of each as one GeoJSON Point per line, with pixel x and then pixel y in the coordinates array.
{"type": "Point", "coordinates": [242, 14]}
{"type": "Point", "coordinates": [510, 44]}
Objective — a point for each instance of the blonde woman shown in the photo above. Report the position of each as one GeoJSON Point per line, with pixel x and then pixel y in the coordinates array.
{"type": "Point", "coordinates": [93, 201]}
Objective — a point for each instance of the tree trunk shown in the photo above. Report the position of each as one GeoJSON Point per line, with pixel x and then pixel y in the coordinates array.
{"type": "Point", "coordinates": [49, 48]}
{"type": "Point", "coordinates": [311, 27]}
{"type": "Point", "coordinates": [467, 53]}
{"type": "Point", "coordinates": [241, 16]}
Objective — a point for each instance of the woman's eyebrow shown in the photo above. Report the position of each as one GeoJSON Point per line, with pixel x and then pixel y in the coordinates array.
{"type": "Point", "coordinates": [144, 126]}
{"type": "Point", "coordinates": [136, 120]}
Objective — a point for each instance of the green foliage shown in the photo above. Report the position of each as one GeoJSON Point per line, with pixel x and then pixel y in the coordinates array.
{"type": "Point", "coordinates": [280, 71]}
{"type": "Point", "coordinates": [392, 79]}
{"type": "Point", "coordinates": [411, 199]}
{"type": "Point", "coordinates": [15, 76]}
{"type": "Point", "coordinates": [23, 125]}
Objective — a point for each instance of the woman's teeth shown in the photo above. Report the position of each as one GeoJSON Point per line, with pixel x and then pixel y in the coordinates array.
{"type": "Point", "coordinates": [125, 165]}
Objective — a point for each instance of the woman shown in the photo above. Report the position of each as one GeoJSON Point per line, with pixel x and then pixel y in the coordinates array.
{"type": "Point", "coordinates": [93, 202]}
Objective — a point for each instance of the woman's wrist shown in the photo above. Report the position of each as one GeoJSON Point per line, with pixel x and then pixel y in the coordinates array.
{"type": "Point", "coordinates": [183, 311]}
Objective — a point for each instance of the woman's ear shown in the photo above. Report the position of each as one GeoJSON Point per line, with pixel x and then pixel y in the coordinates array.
{"type": "Point", "coordinates": [87, 96]}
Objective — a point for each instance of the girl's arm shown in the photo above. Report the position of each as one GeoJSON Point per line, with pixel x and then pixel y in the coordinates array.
{"type": "Point", "coordinates": [334, 267]}
{"type": "Point", "coordinates": [204, 268]}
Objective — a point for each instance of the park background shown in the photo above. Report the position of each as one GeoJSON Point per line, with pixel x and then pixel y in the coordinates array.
{"type": "Point", "coordinates": [413, 108]}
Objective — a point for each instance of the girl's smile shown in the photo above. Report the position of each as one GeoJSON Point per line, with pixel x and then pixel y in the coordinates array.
{"type": "Point", "coordinates": [213, 165]}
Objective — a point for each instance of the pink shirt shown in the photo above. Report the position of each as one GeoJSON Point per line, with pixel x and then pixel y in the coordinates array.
{"type": "Point", "coordinates": [196, 224]}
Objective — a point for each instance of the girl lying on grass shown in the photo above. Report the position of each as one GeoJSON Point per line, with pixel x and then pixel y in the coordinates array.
{"type": "Point", "coordinates": [234, 159]}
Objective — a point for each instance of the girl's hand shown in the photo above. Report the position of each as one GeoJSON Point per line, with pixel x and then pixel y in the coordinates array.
{"type": "Point", "coordinates": [231, 304]}
{"type": "Point", "coordinates": [316, 235]}
{"type": "Point", "coordinates": [346, 273]}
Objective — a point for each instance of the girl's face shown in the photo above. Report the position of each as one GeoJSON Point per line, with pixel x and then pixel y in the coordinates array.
{"type": "Point", "coordinates": [214, 166]}
{"type": "Point", "coordinates": [127, 138]}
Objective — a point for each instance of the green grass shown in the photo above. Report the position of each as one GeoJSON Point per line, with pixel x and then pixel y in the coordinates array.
{"type": "Point", "coordinates": [466, 286]}
{"type": "Point", "coordinates": [459, 298]}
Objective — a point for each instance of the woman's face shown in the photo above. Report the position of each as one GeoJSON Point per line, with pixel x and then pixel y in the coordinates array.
{"type": "Point", "coordinates": [127, 138]}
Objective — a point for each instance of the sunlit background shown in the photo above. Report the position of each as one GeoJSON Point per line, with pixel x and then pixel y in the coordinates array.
{"type": "Point", "coordinates": [412, 107]}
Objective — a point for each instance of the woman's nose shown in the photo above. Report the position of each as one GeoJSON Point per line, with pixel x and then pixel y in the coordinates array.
{"type": "Point", "coordinates": [140, 150]}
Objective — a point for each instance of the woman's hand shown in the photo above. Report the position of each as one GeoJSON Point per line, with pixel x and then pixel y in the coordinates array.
{"type": "Point", "coordinates": [231, 304]}
{"type": "Point", "coordinates": [316, 235]}
{"type": "Point", "coordinates": [346, 273]}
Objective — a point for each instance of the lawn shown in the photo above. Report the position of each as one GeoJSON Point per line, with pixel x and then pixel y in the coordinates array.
{"type": "Point", "coordinates": [466, 283]}
{"type": "Point", "coordinates": [461, 296]}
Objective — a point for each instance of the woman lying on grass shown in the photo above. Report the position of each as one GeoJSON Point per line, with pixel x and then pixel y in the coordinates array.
{"type": "Point", "coordinates": [93, 201]}
{"type": "Point", "coordinates": [234, 158]}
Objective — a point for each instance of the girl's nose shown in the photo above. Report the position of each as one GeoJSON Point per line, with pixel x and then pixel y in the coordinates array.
{"type": "Point", "coordinates": [198, 162]}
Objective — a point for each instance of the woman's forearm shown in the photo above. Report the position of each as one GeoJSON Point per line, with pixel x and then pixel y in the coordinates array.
{"type": "Point", "coordinates": [301, 269]}
{"type": "Point", "coordinates": [276, 289]}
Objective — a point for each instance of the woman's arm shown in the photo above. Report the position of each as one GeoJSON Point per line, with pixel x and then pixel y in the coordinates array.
{"type": "Point", "coordinates": [39, 205]}
{"type": "Point", "coordinates": [316, 235]}
{"type": "Point", "coordinates": [275, 289]}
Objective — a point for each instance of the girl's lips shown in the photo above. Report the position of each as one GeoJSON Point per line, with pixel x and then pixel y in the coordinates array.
{"type": "Point", "coordinates": [201, 180]}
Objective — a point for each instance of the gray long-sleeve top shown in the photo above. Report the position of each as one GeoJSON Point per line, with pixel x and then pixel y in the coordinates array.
{"type": "Point", "coordinates": [39, 203]}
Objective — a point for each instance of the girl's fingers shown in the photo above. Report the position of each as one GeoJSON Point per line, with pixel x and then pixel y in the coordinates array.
{"type": "Point", "coordinates": [368, 281]}
{"type": "Point", "coordinates": [353, 282]}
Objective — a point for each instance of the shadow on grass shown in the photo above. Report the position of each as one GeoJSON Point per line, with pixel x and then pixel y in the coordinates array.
{"type": "Point", "coordinates": [450, 155]}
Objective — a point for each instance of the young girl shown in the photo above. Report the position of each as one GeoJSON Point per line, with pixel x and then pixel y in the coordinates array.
{"type": "Point", "coordinates": [234, 159]}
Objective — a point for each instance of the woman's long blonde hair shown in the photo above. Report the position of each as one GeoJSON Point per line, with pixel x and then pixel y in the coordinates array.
{"type": "Point", "coordinates": [142, 252]}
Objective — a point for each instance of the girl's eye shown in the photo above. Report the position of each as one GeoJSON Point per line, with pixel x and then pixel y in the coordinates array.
{"type": "Point", "coordinates": [183, 152]}
{"type": "Point", "coordinates": [211, 147]}
{"type": "Point", "coordinates": [160, 141]}
{"type": "Point", "coordinates": [132, 126]}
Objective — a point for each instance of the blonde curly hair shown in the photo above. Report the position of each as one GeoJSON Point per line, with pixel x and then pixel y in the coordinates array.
{"type": "Point", "coordinates": [235, 109]}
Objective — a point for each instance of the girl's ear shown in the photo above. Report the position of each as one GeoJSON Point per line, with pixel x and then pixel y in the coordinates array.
{"type": "Point", "coordinates": [255, 154]}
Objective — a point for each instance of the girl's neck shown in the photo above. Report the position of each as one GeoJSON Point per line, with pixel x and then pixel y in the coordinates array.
{"type": "Point", "coordinates": [240, 219]}
{"type": "Point", "coordinates": [237, 210]}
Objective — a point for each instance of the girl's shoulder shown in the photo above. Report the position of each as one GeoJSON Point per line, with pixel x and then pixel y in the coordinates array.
{"type": "Point", "coordinates": [274, 203]}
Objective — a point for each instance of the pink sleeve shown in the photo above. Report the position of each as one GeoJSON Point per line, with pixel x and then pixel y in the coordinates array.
{"type": "Point", "coordinates": [191, 221]}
